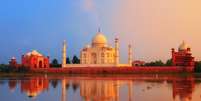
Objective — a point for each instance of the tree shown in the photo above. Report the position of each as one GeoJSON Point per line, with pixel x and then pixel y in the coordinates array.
{"type": "Point", "coordinates": [198, 66]}
{"type": "Point", "coordinates": [169, 62]}
{"type": "Point", "coordinates": [75, 60]}
{"type": "Point", "coordinates": [68, 60]}
{"type": "Point", "coordinates": [55, 63]}
{"type": "Point", "coordinates": [155, 63]}
{"type": "Point", "coordinates": [4, 68]}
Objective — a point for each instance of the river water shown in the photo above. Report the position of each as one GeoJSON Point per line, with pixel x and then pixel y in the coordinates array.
{"type": "Point", "coordinates": [139, 87]}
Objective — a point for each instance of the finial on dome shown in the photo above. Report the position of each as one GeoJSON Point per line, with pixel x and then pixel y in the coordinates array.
{"type": "Point", "coordinates": [64, 42]}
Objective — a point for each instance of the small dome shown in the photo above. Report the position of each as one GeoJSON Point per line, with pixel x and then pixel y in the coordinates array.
{"type": "Point", "coordinates": [99, 40]}
{"type": "Point", "coordinates": [34, 52]}
{"type": "Point", "coordinates": [183, 46]}
{"type": "Point", "coordinates": [13, 58]}
{"type": "Point", "coordinates": [87, 46]}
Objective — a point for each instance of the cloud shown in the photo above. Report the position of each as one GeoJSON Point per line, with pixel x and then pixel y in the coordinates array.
{"type": "Point", "coordinates": [89, 5]}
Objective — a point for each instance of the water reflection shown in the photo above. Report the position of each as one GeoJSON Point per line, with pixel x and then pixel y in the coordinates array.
{"type": "Point", "coordinates": [183, 89]}
{"type": "Point", "coordinates": [12, 85]}
{"type": "Point", "coordinates": [34, 86]}
{"type": "Point", "coordinates": [106, 88]}
{"type": "Point", "coordinates": [99, 91]}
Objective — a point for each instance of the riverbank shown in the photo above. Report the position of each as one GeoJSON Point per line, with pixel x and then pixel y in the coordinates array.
{"type": "Point", "coordinates": [155, 77]}
{"type": "Point", "coordinates": [103, 71]}
{"type": "Point", "coordinates": [115, 70]}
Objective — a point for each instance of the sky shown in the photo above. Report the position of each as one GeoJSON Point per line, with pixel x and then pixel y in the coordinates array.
{"type": "Point", "coordinates": [152, 27]}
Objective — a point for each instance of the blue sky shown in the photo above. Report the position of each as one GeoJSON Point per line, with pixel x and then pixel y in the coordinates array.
{"type": "Point", "coordinates": [152, 27]}
{"type": "Point", "coordinates": [44, 24]}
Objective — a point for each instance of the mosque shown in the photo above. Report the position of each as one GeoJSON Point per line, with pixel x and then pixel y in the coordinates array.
{"type": "Point", "coordinates": [35, 60]}
{"type": "Point", "coordinates": [98, 54]}
{"type": "Point", "coordinates": [183, 57]}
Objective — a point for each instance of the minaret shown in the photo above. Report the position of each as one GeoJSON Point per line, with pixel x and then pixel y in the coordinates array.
{"type": "Point", "coordinates": [116, 51]}
{"type": "Point", "coordinates": [130, 55]}
{"type": "Point", "coordinates": [64, 54]}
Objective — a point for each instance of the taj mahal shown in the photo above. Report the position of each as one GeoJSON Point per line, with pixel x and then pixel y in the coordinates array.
{"type": "Point", "coordinates": [100, 57]}
{"type": "Point", "coordinates": [98, 54]}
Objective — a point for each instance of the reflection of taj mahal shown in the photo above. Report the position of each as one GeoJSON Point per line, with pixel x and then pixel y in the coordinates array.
{"type": "Point", "coordinates": [99, 91]}
{"type": "Point", "coordinates": [99, 53]}
{"type": "Point", "coordinates": [109, 89]}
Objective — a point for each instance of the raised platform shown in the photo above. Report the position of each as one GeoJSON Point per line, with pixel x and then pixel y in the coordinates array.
{"type": "Point", "coordinates": [115, 70]}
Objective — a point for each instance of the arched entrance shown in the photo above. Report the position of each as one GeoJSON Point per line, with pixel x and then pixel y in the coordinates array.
{"type": "Point", "coordinates": [94, 58]}
{"type": "Point", "coordinates": [40, 64]}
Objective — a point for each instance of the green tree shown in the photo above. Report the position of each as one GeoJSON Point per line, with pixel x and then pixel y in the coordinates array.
{"type": "Point", "coordinates": [4, 68]}
{"type": "Point", "coordinates": [55, 63]}
{"type": "Point", "coordinates": [159, 63]}
{"type": "Point", "coordinates": [155, 63]}
{"type": "Point", "coordinates": [169, 62]}
{"type": "Point", "coordinates": [68, 60]}
{"type": "Point", "coordinates": [198, 67]}
{"type": "Point", "coordinates": [75, 60]}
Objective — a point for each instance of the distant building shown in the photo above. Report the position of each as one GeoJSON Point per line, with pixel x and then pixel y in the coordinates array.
{"type": "Point", "coordinates": [183, 57]}
{"type": "Point", "coordinates": [35, 60]}
{"type": "Point", "coordinates": [13, 62]}
{"type": "Point", "coordinates": [138, 63]}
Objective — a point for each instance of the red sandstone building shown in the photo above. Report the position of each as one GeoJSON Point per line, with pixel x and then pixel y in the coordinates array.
{"type": "Point", "coordinates": [183, 57]}
{"type": "Point", "coordinates": [13, 62]}
{"type": "Point", "coordinates": [35, 60]}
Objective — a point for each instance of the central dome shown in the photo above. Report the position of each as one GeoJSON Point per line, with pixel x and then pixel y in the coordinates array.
{"type": "Point", "coordinates": [99, 40]}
